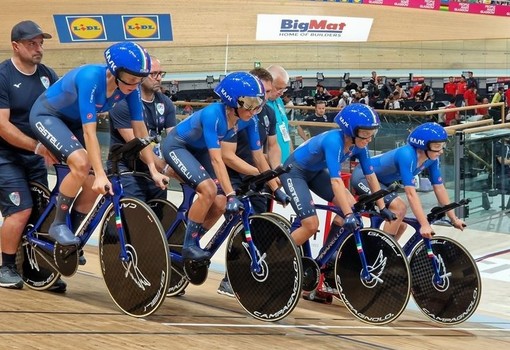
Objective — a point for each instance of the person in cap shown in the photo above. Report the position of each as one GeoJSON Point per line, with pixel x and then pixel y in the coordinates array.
{"type": "Point", "coordinates": [22, 79]}
{"type": "Point", "coordinates": [68, 113]}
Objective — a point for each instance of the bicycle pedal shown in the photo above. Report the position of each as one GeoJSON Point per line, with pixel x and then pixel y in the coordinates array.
{"type": "Point", "coordinates": [66, 259]}
{"type": "Point", "coordinates": [311, 274]}
{"type": "Point", "coordinates": [196, 270]}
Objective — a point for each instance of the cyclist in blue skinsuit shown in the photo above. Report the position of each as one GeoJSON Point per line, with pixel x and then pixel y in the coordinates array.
{"type": "Point", "coordinates": [64, 120]}
{"type": "Point", "coordinates": [317, 163]}
{"type": "Point", "coordinates": [425, 145]}
{"type": "Point", "coordinates": [193, 150]}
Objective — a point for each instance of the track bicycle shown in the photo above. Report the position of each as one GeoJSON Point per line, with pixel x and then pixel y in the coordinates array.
{"type": "Point", "coordinates": [262, 262]}
{"type": "Point", "coordinates": [445, 280]}
{"type": "Point", "coordinates": [133, 252]}
{"type": "Point", "coordinates": [369, 269]}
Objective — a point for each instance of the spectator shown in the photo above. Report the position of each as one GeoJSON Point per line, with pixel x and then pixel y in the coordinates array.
{"type": "Point", "coordinates": [287, 100]}
{"type": "Point", "coordinates": [471, 81]}
{"type": "Point", "coordinates": [372, 88]}
{"type": "Point", "coordinates": [321, 94]}
{"type": "Point", "coordinates": [482, 110]}
{"type": "Point", "coordinates": [187, 109]}
{"type": "Point", "coordinates": [507, 98]}
{"type": "Point", "coordinates": [453, 117]}
{"type": "Point", "coordinates": [498, 97]}
{"type": "Point", "coordinates": [364, 97]}
{"type": "Point", "coordinates": [461, 89]}
{"type": "Point", "coordinates": [344, 100]}
{"type": "Point", "coordinates": [401, 93]}
{"type": "Point", "coordinates": [350, 85]}
{"type": "Point", "coordinates": [450, 88]}
{"type": "Point", "coordinates": [470, 99]}
{"type": "Point", "coordinates": [318, 117]}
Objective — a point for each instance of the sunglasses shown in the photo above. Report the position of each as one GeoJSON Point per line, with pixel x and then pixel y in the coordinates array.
{"type": "Point", "coordinates": [366, 134]}
{"type": "Point", "coordinates": [130, 84]}
{"type": "Point", "coordinates": [437, 147]}
{"type": "Point", "coordinates": [251, 103]}
{"type": "Point", "coordinates": [154, 75]}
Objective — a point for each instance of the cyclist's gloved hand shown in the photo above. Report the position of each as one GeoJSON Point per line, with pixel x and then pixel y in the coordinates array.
{"type": "Point", "coordinates": [387, 214]}
{"type": "Point", "coordinates": [281, 197]}
{"type": "Point", "coordinates": [233, 204]}
{"type": "Point", "coordinates": [351, 223]}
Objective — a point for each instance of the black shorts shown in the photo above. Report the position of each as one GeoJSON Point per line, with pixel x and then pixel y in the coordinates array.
{"type": "Point", "coordinates": [15, 176]}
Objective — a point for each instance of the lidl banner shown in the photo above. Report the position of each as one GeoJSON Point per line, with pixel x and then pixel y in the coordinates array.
{"type": "Point", "coordinates": [94, 28]}
{"type": "Point", "coordinates": [312, 28]}
{"type": "Point", "coordinates": [484, 8]}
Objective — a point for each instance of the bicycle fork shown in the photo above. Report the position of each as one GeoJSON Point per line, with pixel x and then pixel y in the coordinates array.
{"type": "Point", "coordinates": [439, 276]}
{"type": "Point", "coordinates": [256, 259]}
{"type": "Point", "coordinates": [365, 273]}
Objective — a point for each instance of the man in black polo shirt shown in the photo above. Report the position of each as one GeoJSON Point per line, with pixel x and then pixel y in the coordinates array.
{"type": "Point", "coordinates": [319, 116]}
{"type": "Point", "coordinates": [22, 158]}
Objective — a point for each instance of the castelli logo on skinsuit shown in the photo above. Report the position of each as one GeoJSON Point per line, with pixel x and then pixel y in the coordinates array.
{"type": "Point", "coordinates": [86, 28]}
{"type": "Point", "coordinates": [141, 27]}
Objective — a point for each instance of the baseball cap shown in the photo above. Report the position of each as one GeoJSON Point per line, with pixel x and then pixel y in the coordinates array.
{"type": "Point", "coordinates": [26, 30]}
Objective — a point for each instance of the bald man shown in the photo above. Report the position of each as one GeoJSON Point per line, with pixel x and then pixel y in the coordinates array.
{"type": "Point", "coordinates": [280, 85]}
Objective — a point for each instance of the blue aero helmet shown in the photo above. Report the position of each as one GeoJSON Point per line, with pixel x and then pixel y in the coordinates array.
{"type": "Point", "coordinates": [357, 116]}
{"type": "Point", "coordinates": [241, 89]}
{"type": "Point", "coordinates": [423, 135]}
{"type": "Point", "coordinates": [128, 57]}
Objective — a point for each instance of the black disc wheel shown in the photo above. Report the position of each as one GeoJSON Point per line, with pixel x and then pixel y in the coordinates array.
{"type": "Point", "coordinates": [139, 284]}
{"type": "Point", "coordinates": [382, 297]}
{"type": "Point", "coordinates": [167, 214]}
{"type": "Point", "coordinates": [455, 296]}
{"type": "Point", "coordinates": [273, 291]}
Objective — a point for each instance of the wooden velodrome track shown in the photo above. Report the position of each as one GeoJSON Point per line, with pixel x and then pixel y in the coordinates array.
{"type": "Point", "coordinates": [86, 318]}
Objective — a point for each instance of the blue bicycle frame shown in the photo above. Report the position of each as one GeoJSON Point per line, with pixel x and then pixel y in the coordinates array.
{"type": "Point", "coordinates": [92, 220]}
{"type": "Point", "coordinates": [223, 231]}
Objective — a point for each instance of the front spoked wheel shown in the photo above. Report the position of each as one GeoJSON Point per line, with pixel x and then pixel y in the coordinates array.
{"type": "Point", "coordinates": [167, 213]}
{"type": "Point", "coordinates": [271, 293]}
{"type": "Point", "coordinates": [138, 286]}
{"type": "Point", "coordinates": [384, 296]}
{"type": "Point", "coordinates": [455, 297]}
{"type": "Point", "coordinates": [36, 272]}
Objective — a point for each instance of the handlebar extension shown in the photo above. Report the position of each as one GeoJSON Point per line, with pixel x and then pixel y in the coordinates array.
{"type": "Point", "coordinates": [437, 213]}
{"type": "Point", "coordinates": [366, 201]}
{"type": "Point", "coordinates": [252, 181]}
{"type": "Point", "coordinates": [130, 149]}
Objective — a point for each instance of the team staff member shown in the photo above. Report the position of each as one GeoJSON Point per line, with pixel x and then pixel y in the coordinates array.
{"type": "Point", "coordinates": [22, 159]}
{"type": "Point", "coordinates": [280, 83]}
